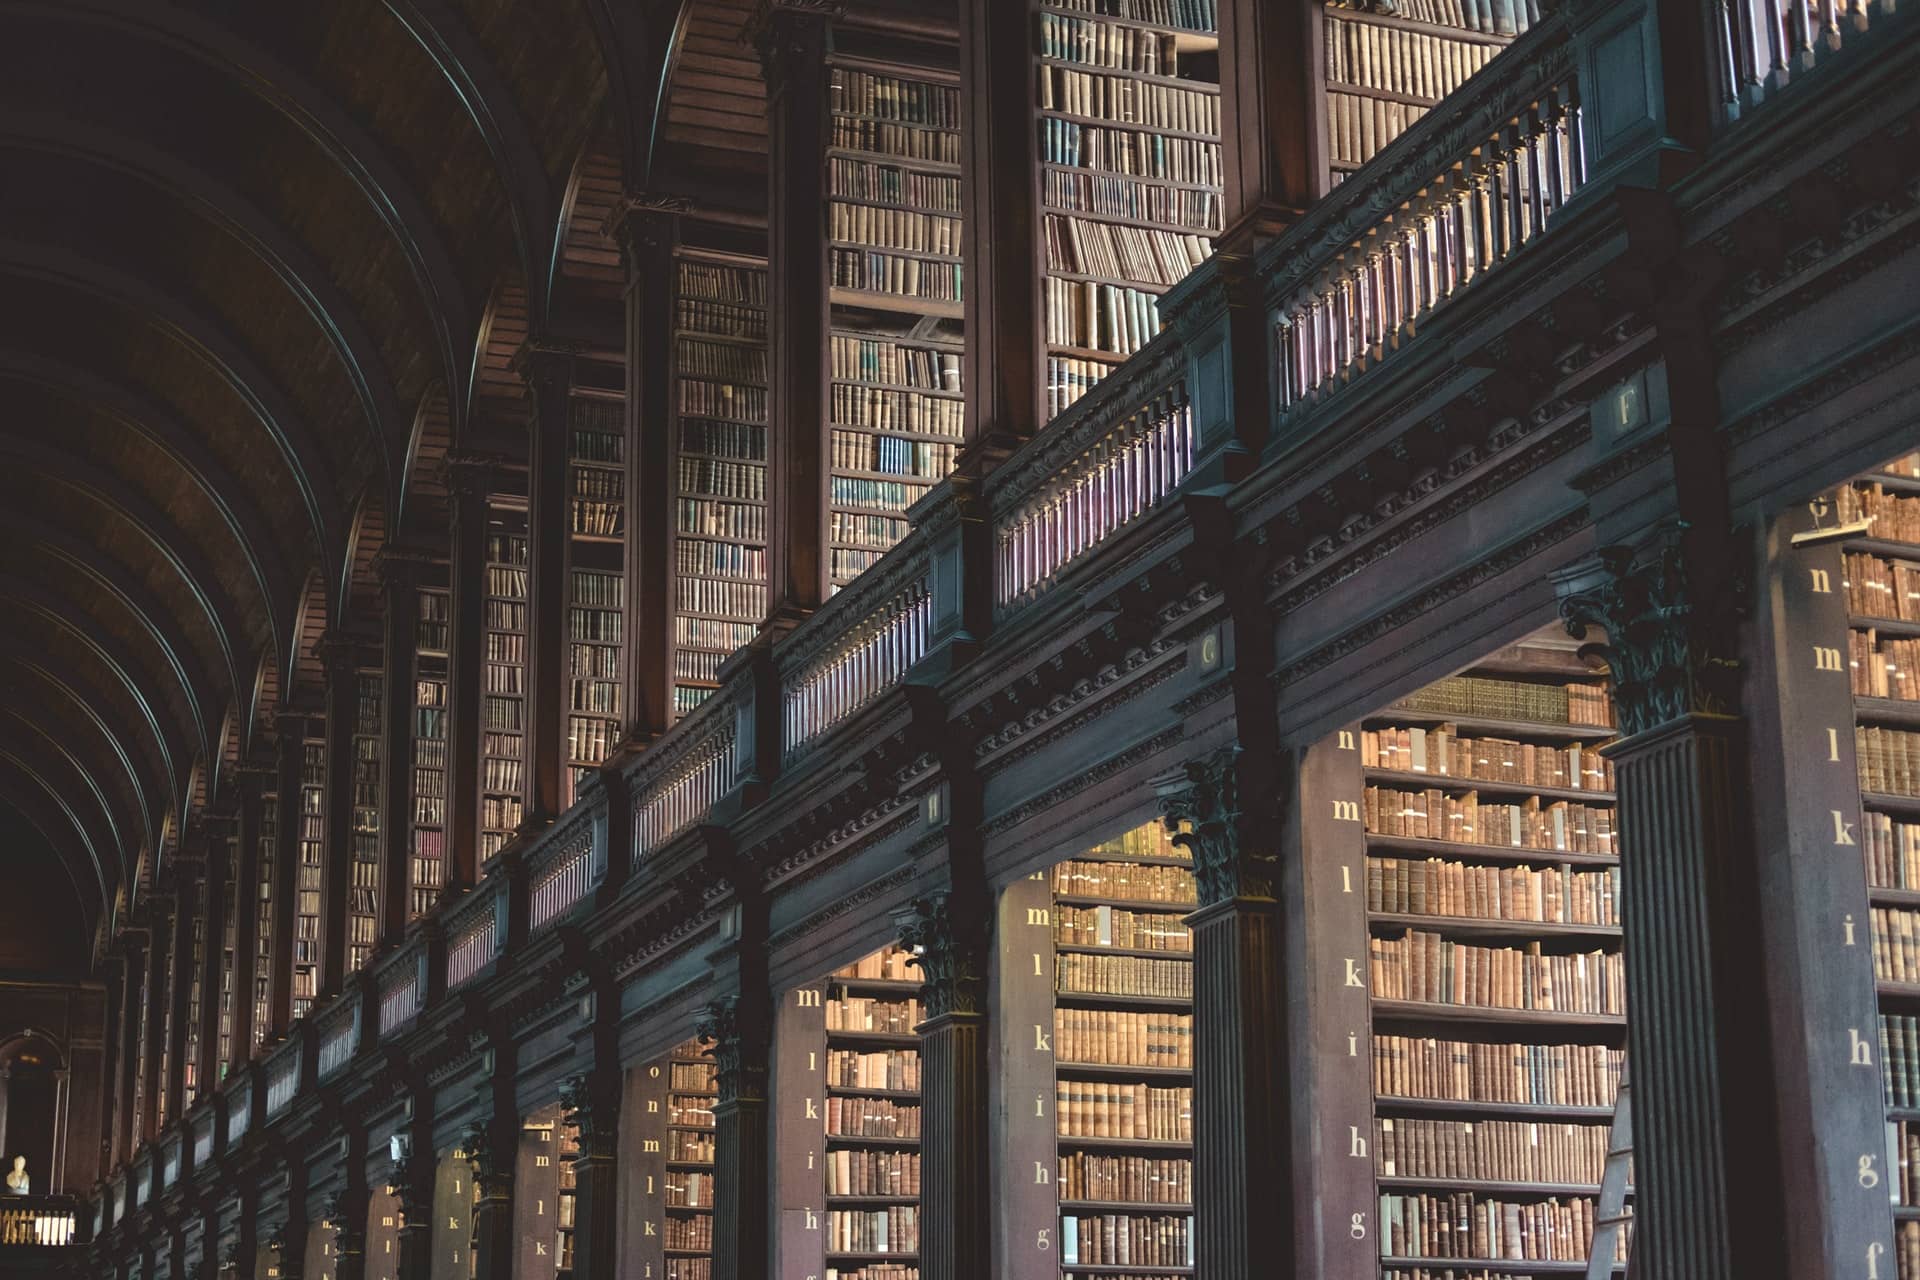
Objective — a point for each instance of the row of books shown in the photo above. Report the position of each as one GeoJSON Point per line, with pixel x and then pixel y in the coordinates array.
{"type": "Point", "coordinates": [890, 184]}
{"type": "Point", "coordinates": [597, 519]}
{"type": "Point", "coordinates": [1125, 1179]}
{"type": "Point", "coordinates": [730, 599]}
{"type": "Point", "coordinates": [688, 1147]}
{"type": "Point", "coordinates": [1906, 1249]}
{"type": "Point", "coordinates": [1123, 1038]}
{"type": "Point", "coordinates": [604, 444]}
{"type": "Point", "coordinates": [867, 1013]}
{"type": "Point", "coordinates": [877, 532]}
{"type": "Point", "coordinates": [1100, 317]}
{"type": "Point", "coordinates": [1883, 666]}
{"type": "Point", "coordinates": [500, 813]}
{"type": "Point", "coordinates": [1559, 825]}
{"type": "Point", "coordinates": [1428, 967]}
{"type": "Point", "coordinates": [688, 1233]}
{"type": "Point", "coordinates": [716, 519]}
{"type": "Point", "coordinates": [506, 648]}
{"type": "Point", "coordinates": [873, 1173]}
{"type": "Point", "coordinates": [887, 97]}
{"type": "Point", "coordinates": [726, 559]}
{"type": "Point", "coordinates": [1903, 1158]}
{"type": "Point", "coordinates": [1109, 44]}
{"type": "Point", "coordinates": [722, 282]}
{"type": "Point", "coordinates": [1896, 945]}
{"type": "Point", "coordinates": [689, 1190]}
{"type": "Point", "coordinates": [871, 1118]}
{"type": "Point", "coordinates": [1490, 1150]}
{"type": "Point", "coordinates": [738, 440]}
{"type": "Point", "coordinates": [890, 228]}
{"type": "Point", "coordinates": [1890, 515]}
{"type": "Point", "coordinates": [871, 271]}
{"type": "Point", "coordinates": [1416, 63]}
{"type": "Point", "coordinates": [1192, 208]}
{"type": "Point", "coordinates": [693, 1077]}
{"type": "Point", "coordinates": [1184, 107]}
{"type": "Point", "coordinates": [1889, 759]}
{"type": "Point", "coordinates": [1141, 255]}
{"type": "Point", "coordinates": [602, 590]}
{"type": "Point", "coordinates": [886, 409]}
{"type": "Point", "coordinates": [1463, 1225]}
{"type": "Point", "coordinates": [1090, 1109]}
{"type": "Point", "coordinates": [1188, 15]}
{"type": "Point", "coordinates": [738, 401]}
{"type": "Point", "coordinates": [710, 633]}
{"type": "Point", "coordinates": [1125, 1240]}
{"type": "Point", "coordinates": [889, 964]}
{"type": "Point", "coordinates": [696, 1111]}
{"type": "Point", "coordinates": [1069, 378]}
{"type": "Point", "coordinates": [894, 1070]}
{"type": "Point", "coordinates": [597, 482]}
{"type": "Point", "coordinates": [590, 741]}
{"type": "Point", "coordinates": [602, 696]}
{"type": "Point", "coordinates": [503, 713]}
{"type": "Point", "coordinates": [1124, 976]}
{"type": "Point", "coordinates": [888, 495]}
{"type": "Point", "coordinates": [1135, 153]}
{"type": "Point", "coordinates": [506, 615]}
{"type": "Point", "coordinates": [903, 141]}
{"type": "Point", "coordinates": [1555, 704]}
{"type": "Point", "coordinates": [720, 319]}
{"type": "Point", "coordinates": [1493, 17]}
{"type": "Point", "coordinates": [507, 548]}
{"type": "Point", "coordinates": [727, 362]}
{"type": "Point", "coordinates": [847, 565]}
{"type": "Point", "coordinates": [593, 662]}
{"type": "Point", "coordinates": [1892, 851]}
{"type": "Point", "coordinates": [499, 677]}
{"type": "Point", "coordinates": [861, 359]}
{"type": "Point", "coordinates": [501, 744]}
{"type": "Point", "coordinates": [891, 455]}
{"type": "Point", "coordinates": [696, 664]}
{"type": "Point", "coordinates": [894, 1229]}
{"type": "Point", "coordinates": [598, 626]}
{"type": "Point", "coordinates": [1553, 895]}
{"type": "Point", "coordinates": [1116, 926]}
{"type": "Point", "coordinates": [1137, 882]}
{"type": "Point", "coordinates": [1445, 752]}
{"type": "Point", "coordinates": [865, 1271]}
{"type": "Point", "coordinates": [1877, 587]}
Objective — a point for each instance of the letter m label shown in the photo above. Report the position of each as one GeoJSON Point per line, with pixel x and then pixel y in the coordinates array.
{"type": "Point", "coordinates": [1039, 915]}
{"type": "Point", "coordinates": [1346, 811]}
{"type": "Point", "coordinates": [1826, 658]}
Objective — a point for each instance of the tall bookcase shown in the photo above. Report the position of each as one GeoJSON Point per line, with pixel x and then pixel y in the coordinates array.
{"type": "Point", "coordinates": [1129, 144]}
{"type": "Point", "coordinates": [311, 882]}
{"type": "Point", "coordinates": [268, 850]}
{"type": "Point", "coordinates": [894, 254]}
{"type": "Point", "coordinates": [719, 465]}
{"type": "Point", "coordinates": [1488, 895]}
{"type": "Point", "coordinates": [1095, 954]}
{"type": "Point", "coordinates": [235, 898]}
{"type": "Point", "coordinates": [596, 522]}
{"type": "Point", "coordinates": [196, 992]}
{"type": "Point", "coordinates": [427, 863]}
{"type": "Point", "coordinates": [673, 1169]}
{"type": "Point", "coordinates": [503, 718]}
{"type": "Point", "coordinates": [369, 742]}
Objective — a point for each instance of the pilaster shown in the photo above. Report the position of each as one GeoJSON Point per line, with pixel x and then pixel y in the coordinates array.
{"type": "Point", "coordinates": [549, 371]}
{"type": "Point", "coordinates": [738, 1027]}
{"type": "Point", "coordinates": [591, 1104]}
{"type": "Point", "coordinates": [399, 633]}
{"type": "Point", "coordinates": [187, 873]}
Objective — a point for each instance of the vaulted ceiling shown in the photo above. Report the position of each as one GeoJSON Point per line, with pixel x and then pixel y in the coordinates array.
{"type": "Point", "coordinates": [254, 261]}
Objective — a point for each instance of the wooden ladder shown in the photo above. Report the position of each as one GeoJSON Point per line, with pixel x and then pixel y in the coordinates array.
{"type": "Point", "coordinates": [1611, 1215]}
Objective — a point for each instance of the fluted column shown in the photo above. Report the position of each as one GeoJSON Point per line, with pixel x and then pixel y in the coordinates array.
{"type": "Point", "coordinates": [468, 479]}
{"type": "Point", "coordinates": [591, 1104]}
{"type": "Point", "coordinates": [399, 632]}
{"type": "Point", "coordinates": [246, 906]}
{"type": "Point", "coordinates": [738, 1027]}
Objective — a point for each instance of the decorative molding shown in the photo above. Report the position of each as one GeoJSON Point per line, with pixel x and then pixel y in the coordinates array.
{"type": "Point", "coordinates": [949, 946]}
{"type": "Point", "coordinates": [1139, 751]}
{"type": "Point", "coordinates": [739, 1048]}
{"type": "Point", "coordinates": [865, 895]}
{"type": "Point", "coordinates": [593, 1110]}
{"type": "Point", "coordinates": [1200, 808]}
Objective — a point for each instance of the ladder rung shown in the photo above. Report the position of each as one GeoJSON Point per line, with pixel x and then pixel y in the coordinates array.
{"type": "Point", "coordinates": [1612, 1220]}
{"type": "Point", "coordinates": [1618, 1151]}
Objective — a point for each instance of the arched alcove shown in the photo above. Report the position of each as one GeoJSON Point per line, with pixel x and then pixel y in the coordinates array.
{"type": "Point", "coordinates": [34, 1104]}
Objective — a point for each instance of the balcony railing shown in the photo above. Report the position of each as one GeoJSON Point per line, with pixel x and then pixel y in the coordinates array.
{"type": "Point", "coordinates": [695, 771]}
{"type": "Point", "coordinates": [564, 882]}
{"type": "Point", "coordinates": [1767, 44]}
{"type": "Point", "coordinates": [239, 1111]}
{"type": "Point", "coordinates": [339, 1031]}
{"type": "Point", "coordinates": [46, 1221]}
{"type": "Point", "coordinates": [283, 1079]}
{"type": "Point", "coordinates": [1447, 204]}
{"type": "Point", "coordinates": [473, 937]}
{"type": "Point", "coordinates": [836, 675]}
{"type": "Point", "coordinates": [400, 996]}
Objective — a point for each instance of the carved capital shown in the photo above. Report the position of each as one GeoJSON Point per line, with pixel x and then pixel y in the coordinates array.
{"type": "Point", "coordinates": [594, 1111]}
{"type": "Point", "coordinates": [644, 220]}
{"type": "Point", "coordinates": [1668, 639]}
{"type": "Point", "coordinates": [492, 1168]}
{"type": "Point", "coordinates": [777, 33]}
{"type": "Point", "coordinates": [347, 1215]}
{"type": "Point", "coordinates": [739, 1040]}
{"type": "Point", "coordinates": [949, 947]}
{"type": "Point", "coordinates": [1201, 809]}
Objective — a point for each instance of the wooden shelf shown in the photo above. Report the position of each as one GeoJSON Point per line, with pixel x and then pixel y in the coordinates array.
{"type": "Point", "coordinates": [1886, 626]}
{"type": "Point", "coordinates": [1891, 483]}
{"type": "Point", "coordinates": [1888, 547]}
{"type": "Point", "coordinates": [1492, 928]}
{"type": "Point", "coordinates": [1891, 711]}
{"type": "Point", "coordinates": [848, 1140]}
{"type": "Point", "coordinates": [1201, 39]}
{"type": "Point", "coordinates": [895, 1039]}
{"type": "Point", "coordinates": [885, 986]}
{"type": "Point", "coordinates": [1103, 1071]}
{"type": "Point", "coordinates": [1172, 1003]}
{"type": "Point", "coordinates": [1894, 897]}
{"type": "Point", "coordinates": [1123, 1206]}
{"type": "Point", "coordinates": [1543, 1111]}
{"type": "Point", "coordinates": [1447, 782]}
{"type": "Point", "coordinates": [836, 1091]}
{"type": "Point", "coordinates": [1164, 79]}
{"type": "Point", "coordinates": [1131, 126]}
{"type": "Point", "coordinates": [1489, 852]}
{"type": "Point", "coordinates": [1127, 1144]}
{"type": "Point", "coordinates": [875, 1257]}
{"type": "Point", "coordinates": [1541, 1189]}
{"type": "Point", "coordinates": [845, 296]}
{"type": "Point", "coordinates": [1115, 1269]}
{"type": "Point", "coordinates": [833, 1200]}
{"type": "Point", "coordinates": [1489, 726]}
{"type": "Point", "coordinates": [1506, 1266]}
{"type": "Point", "coordinates": [1422, 1010]}
{"type": "Point", "coordinates": [1886, 802]}
{"type": "Point", "coordinates": [1131, 904]}
{"type": "Point", "coordinates": [1090, 949]}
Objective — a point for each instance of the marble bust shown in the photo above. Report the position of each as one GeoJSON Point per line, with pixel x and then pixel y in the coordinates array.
{"type": "Point", "coordinates": [18, 1183]}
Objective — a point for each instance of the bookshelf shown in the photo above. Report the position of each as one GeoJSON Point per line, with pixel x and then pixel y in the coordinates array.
{"type": "Point", "coordinates": [229, 955]}
{"type": "Point", "coordinates": [1384, 71]}
{"type": "Point", "coordinates": [363, 894]}
{"type": "Point", "coordinates": [596, 586]}
{"type": "Point", "coordinates": [312, 866]}
{"type": "Point", "coordinates": [894, 247]}
{"type": "Point", "coordinates": [454, 1194]}
{"type": "Point", "coordinates": [1128, 113]}
{"type": "Point", "coordinates": [427, 860]}
{"type": "Point", "coordinates": [503, 716]}
{"type": "Point", "coordinates": [674, 1166]}
{"type": "Point", "coordinates": [720, 466]}
{"type": "Point", "coordinates": [565, 1199]}
{"type": "Point", "coordinates": [196, 992]}
{"type": "Point", "coordinates": [1489, 899]}
{"type": "Point", "coordinates": [268, 843]}
{"type": "Point", "coordinates": [1880, 577]}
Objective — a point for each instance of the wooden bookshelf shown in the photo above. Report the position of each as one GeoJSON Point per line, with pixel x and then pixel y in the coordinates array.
{"type": "Point", "coordinates": [1128, 116]}
{"type": "Point", "coordinates": [427, 864]}
{"type": "Point", "coordinates": [503, 699]}
{"type": "Point", "coordinates": [672, 1099]}
{"type": "Point", "coordinates": [720, 466]}
{"type": "Point", "coordinates": [894, 345]}
{"type": "Point", "coordinates": [872, 1115]}
{"type": "Point", "coordinates": [312, 866]}
{"type": "Point", "coordinates": [1496, 992]}
{"type": "Point", "coordinates": [267, 847]}
{"type": "Point", "coordinates": [369, 742]}
{"type": "Point", "coordinates": [596, 583]}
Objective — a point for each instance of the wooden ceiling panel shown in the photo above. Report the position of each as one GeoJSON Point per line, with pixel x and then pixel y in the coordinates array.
{"type": "Point", "coordinates": [551, 61]}
{"type": "Point", "coordinates": [717, 97]}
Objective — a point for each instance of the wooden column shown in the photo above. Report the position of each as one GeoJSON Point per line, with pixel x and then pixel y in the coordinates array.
{"type": "Point", "coordinates": [125, 1135]}
{"type": "Point", "coordinates": [290, 742]}
{"type": "Point", "coordinates": [186, 906]}
{"type": "Point", "coordinates": [413, 1179]}
{"type": "Point", "coordinates": [1241, 1133]}
{"type": "Point", "coordinates": [246, 1231]}
{"type": "Point", "coordinates": [468, 479]}
{"type": "Point", "coordinates": [1707, 1174]}
{"type": "Point", "coordinates": [739, 1026]}
{"type": "Point", "coordinates": [220, 859]}
{"type": "Point", "coordinates": [290, 1242]}
{"type": "Point", "coordinates": [794, 38]}
{"type": "Point", "coordinates": [246, 904]}
{"type": "Point", "coordinates": [400, 600]}
{"type": "Point", "coordinates": [947, 932]}
{"type": "Point", "coordinates": [492, 1143]}
{"type": "Point", "coordinates": [999, 201]}
{"type": "Point", "coordinates": [1273, 121]}
{"type": "Point", "coordinates": [648, 229]}
{"type": "Point", "coordinates": [347, 1208]}
{"type": "Point", "coordinates": [339, 655]}
{"type": "Point", "coordinates": [548, 370]}
{"type": "Point", "coordinates": [159, 939]}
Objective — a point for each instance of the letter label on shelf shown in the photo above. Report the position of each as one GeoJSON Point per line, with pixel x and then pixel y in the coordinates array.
{"type": "Point", "coordinates": [1040, 1175]}
{"type": "Point", "coordinates": [1040, 915]}
{"type": "Point", "coordinates": [1860, 1052]}
{"type": "Point", "coordinates": [1826, 658]}
{"type": "Point", "coordinates": [1356, 1145]}
{"type": "Point", "coordinates": [1822, 582]}
{"type": "Point", "coordinates": [1042, 1041]}
{"type": "Point", "coordinates": [1353, 974]}
{"type": "Point", "coordinates": [1846, 924]}
{"type": "Point", "coordinates": [1842, 829]}
{"type": "Point", "coordinates": [1346, 811]}
{"type": "Point", "coordinates": [813, 1112]}
{"type": "Point", "coordinates": [1346, 740]}
{"type": "Point", "coordinates": [1357, 1227]}
{"type": "Point", "coordinates": [1869, 1176]}
{"type": "Point", "coordinates": [1833, 746]}
{"type": "Point", "coordinates": [808, 997]}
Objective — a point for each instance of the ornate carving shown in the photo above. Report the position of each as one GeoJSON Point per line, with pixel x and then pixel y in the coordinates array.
{"type": "Point", "coordinates": [348, 1218]}
{"type": "Point", "coordinates": [1200, 808]}
{"type": "Point", "coordinates": [593, 1111]}
{"type": "Point", "coordinates": [949, 946]}
{"type": "Point", "coordinates": [773, 33]}
{"type": "Point", "coordinates": [492, 1169]}
{"type": "Point", "coordinates": [739, 1048]}
{"type": "Point", "coordinates": [1663, 644]}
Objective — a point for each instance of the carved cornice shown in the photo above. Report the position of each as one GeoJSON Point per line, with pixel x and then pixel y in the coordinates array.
{"type": "Point", "coordinates": [948, 942]}
{"type": "Point", "coordinates": [1053, 796]}
{"type": "Point", "coordinates": [866, 895]}
{"type": "Point", "coordinates": [1667, 641]}
{"type": "Point", "coordinates": [1233, 852]}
